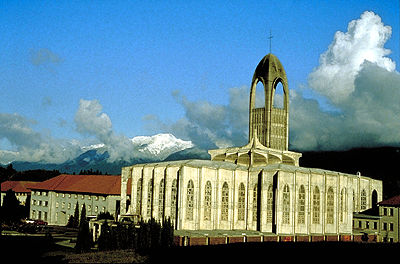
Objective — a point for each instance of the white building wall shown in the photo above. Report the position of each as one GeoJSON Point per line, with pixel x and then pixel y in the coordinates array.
{"type": "Point", "coordinates": [292, 177]}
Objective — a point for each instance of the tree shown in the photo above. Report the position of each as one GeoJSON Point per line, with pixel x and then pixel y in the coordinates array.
{"type": "Point", "coordinates": [105, 215]}
{"type": "Point", "coordinates": [71, 221]}
{"type": "Point", "coordinates": [76, 216]}
{"type": "Point", "coordinates": [167, 233]}
{"type": "Point", "coordinates": [11, 211]}
{"type": "Point", "coordinates": [84, 240]}
{"type": "Point", "coordinates": [104, 242]}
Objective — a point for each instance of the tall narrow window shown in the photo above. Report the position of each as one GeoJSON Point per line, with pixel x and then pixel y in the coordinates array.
{"type": "Point", "coordinates": [343, 205]}
{"type": "Point", "coordinates": [286, 205]}
{"type": "Point", "coordinates": [189, 200]}
{"type": "Point", "coordinates": [241, 202]}
{"type": "Point", "coordinates": [139, 196]}
{"type": "Point", "coordinates": [161, 200]}
{"type": "Point", "coordinates": [174, 192]}
{"type": "Point", "coordinates": [302, 206]}
{"type": "Point", "coordinates": [330, 206]}
{"type": "Point", "coordinates": [316, 206]}
{"type": "Point", "coordinates": [255, 193]}
{"type": "Point", "coordinates": [354, 202]}
{"type": "Point", "coordinates": [363, 199]}
{"type": "Point", "coordinates": [269, 204]}
{"type": "Point", "coordinates": [207, 201]}
{"type": "Point", "coordinates": [225, 202]}
{"type": "Point", "coordinates": [149, 197]}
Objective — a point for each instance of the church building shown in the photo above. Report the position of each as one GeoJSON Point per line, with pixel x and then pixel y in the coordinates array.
{"type": "Point", "coordinates": [258, 187]}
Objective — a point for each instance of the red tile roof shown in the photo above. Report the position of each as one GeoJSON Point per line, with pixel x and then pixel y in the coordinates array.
{"type": "Point", "coordinates": [100, 184]}
{"type": "Point", "coordinates": [394, 201]}
{"type": "Point", "coordinates": [17, 186]}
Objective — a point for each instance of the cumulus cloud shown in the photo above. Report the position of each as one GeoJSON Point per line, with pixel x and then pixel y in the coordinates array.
{"type": "Point", "coordinates": [361, 82]}
{"type": "Point", "coordinates": [343, 60]}
{"type": "Point", "coordinates": [91, 121]}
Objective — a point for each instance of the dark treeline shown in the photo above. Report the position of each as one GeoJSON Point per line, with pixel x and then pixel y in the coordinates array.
{"type": "Point", "coordinates": [142, 237]}
{"type": "Point", "coordinates": [10, 174]}
{"type": "Point", "coordinates": [91, 172]}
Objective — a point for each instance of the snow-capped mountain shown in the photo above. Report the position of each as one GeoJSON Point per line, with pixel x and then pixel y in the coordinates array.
{"type": "Point", "coordinates": [97, 156]}
{"type": "Point", "coordinates": [156, 147]}
{"type": "Point", "coordinates": [161, 145]}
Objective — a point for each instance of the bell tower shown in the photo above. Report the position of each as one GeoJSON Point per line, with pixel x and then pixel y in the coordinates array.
{"type": "Point", "coordinates": [271, 122]}
{"type": "Point", "coordinates": [268, 125]}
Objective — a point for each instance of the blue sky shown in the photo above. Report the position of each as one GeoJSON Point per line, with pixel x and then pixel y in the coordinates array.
{"type": "Point", "coordinates": [134, 57]}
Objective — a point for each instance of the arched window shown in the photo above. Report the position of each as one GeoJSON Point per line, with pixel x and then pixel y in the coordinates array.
{"type": "Point", "coordinates": [279, 96]}
{"type": "Point", "coordinates": [301, 214]}
{"type": "Point", "coordinates": [161, 200]}
{"type": "Point", "coordinates": [343, 205]}
{"type": "Point", "coordinates": [189, 200]}
{"type": "Point", "coordinates": [139, 196]}
{"type": "Point", "coordinates": [270, 196]}
{"type": "Point", "coordinates": [174, 192]}
{"type": "Point", "coordinates": [241, 202]}
{"type": "Point", "coordinates": [225, 202]}
{"type": "Point", "coordinates": [316, 206]}
{"type": "Point", "coordinates": [286, 205]}
{"type": "Point", "coordinates": [149, 198]}
{"type": "Point", "coordinates": [207, 201]}
{"type": "Point", "coordinates": [374, 198]}
{"type": "Point", "coordinates": [330, 206]}
{"type": "Point", "coordinates": [363, 200]}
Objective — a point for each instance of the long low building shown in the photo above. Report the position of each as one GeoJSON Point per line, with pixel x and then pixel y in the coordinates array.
{"type": "Point", "coordinates": [54, 200]}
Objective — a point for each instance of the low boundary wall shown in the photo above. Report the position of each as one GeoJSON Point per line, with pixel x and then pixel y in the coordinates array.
{"type": "Point", "coordinates": [220, 240]}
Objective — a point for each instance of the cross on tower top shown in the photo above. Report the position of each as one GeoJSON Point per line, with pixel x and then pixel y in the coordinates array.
{"type": "Point", "coordinates": [270, 41]}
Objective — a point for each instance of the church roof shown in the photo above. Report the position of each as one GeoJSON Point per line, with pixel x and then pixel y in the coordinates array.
{"type": "Point", "coordinates": [232, 166]}
{"type": "Point", "coordinates": [194, 163]}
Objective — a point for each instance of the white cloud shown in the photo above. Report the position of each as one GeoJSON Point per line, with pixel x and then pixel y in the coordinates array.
{"type": "Point", "coordinates": [340, 64]}
{"type": "Point", "coordinates": [90, 120]}
{"type": "Point", "coordinates": [361, 82]}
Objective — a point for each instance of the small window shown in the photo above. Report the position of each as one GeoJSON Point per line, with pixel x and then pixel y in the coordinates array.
{"type": "Point", "coordinates": [363, 200]}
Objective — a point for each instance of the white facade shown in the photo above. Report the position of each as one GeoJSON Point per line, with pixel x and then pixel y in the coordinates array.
{"type": "Point", "coordinates": [215, 195]}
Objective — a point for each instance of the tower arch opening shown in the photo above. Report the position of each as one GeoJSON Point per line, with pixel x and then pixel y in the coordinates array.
{"type": "Point", "coordinates": [260, 95]}
{"type": "Point", "coordinates": [279, 96]}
